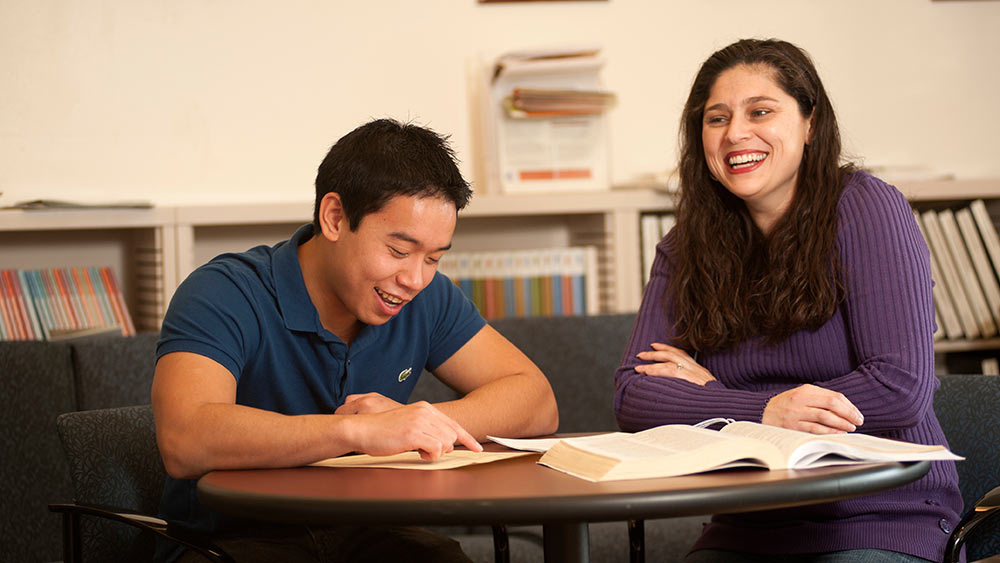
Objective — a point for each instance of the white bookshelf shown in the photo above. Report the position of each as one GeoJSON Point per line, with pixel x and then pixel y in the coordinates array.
{"type": "Point", "coordinates": [181, 238]}
{"type": "Point", "coordinates": [120, 238]}
{"type": "Point", "coordinates": [945, 190]}
{"type": "Point", "coordinates": [933, 194]}
{"type": "Point", "coordinates": [607, 219]}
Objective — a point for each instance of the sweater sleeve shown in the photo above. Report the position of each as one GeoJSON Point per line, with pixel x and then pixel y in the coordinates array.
{"type": "Point", "coordinates": [644, 401]}
{"type": "Point", "coordinates": [889, 307]}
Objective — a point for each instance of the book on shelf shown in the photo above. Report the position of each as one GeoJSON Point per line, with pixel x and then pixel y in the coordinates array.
{"type": "Point", "coordinates": [653, 228]}
{"type": "Point", "coordinates": [62, 303]}
{"type": "Point", "coordinates": [951, 279]}
{"type": "Point", "coordinates": [967, 275]}
{"type": "Point", "coordinates": [945, 315]}
{"type": "Point", "coordinates": [980, 262]}
{"type": "Point", "coordinates": [964, 249]}
{"type": "Point", "coordinates": [988, 231]}
{"type": "Point", "coordinates": [678, 449]}
{"type": "Point", "coordinates": [527, 283]}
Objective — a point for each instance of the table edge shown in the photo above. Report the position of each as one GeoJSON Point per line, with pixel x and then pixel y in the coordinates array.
{"type": "Point", "coordinates": [596, 508]}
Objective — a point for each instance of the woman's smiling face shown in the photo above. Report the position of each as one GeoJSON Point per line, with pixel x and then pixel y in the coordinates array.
{"type": "Point", "coordinates": [753, 135]}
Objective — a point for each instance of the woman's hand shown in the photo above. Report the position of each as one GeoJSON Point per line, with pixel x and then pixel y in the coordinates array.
{"type": "Point", "coordinates": [812, 409]}
{"type": "Point", "coordinates": [668, 361]}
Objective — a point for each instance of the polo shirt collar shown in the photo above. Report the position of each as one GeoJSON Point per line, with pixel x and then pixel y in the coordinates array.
{"type": "Point", "coordinates": [296, 307]}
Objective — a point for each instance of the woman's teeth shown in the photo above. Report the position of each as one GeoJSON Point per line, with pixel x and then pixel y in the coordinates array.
{"type": "Point", "coordinates": [745, 160]}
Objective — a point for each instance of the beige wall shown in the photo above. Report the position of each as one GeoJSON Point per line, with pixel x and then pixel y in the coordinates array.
{"type": "Point", "coordinates": [189, 101]}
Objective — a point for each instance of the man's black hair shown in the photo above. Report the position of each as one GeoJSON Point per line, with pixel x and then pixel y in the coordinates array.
{"type": "Point", "coordinates": [383, 159]}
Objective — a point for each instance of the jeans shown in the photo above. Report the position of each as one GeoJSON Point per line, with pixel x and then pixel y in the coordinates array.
{"type": "Point", "coordinates": [846, 556]}
{"type": "Point", "coordinates": [354, 544]}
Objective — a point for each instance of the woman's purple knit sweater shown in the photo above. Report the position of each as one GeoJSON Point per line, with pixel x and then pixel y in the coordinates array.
{"type": "Point", "coordinates": [877, 350]}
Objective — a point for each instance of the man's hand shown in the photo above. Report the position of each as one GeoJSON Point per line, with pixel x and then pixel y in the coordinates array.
{"type": "Point", "coordinates": [812, 409]}
{"type": "Point", "coordinates": [384, 429]}
{"type": "Point", "coordinates": [669, 361]}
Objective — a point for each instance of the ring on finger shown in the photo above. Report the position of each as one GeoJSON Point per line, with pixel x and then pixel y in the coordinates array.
{"type": "Point", "coordinates": [680, 366]}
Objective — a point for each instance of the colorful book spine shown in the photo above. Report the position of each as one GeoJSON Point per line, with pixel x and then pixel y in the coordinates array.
{"type": "Point", "coordinates": [128, 327]}
{"type": "Point", "coordinates": [24, 313]}
{"type": "Point", "coordinates": [93, 278]}
{"type": "Point", "coordinates": [4, 333]}
{"type": "Point", "coordinates": [32, 282]}
{"type": "Point", "coordinates": [86, 304]}
{"type": "Point", "coordinates": [14, 319]}
{"type": "Point", "coordinates": [525, 283]}
{"type": "Point", "coordinates": [30, 307]}
{"type": "Point", "coordinates": [58, 303]}
{"type": "Point", "coordinates": [62, 319]}
{"type": "Point", "coordinates": [75, 322]}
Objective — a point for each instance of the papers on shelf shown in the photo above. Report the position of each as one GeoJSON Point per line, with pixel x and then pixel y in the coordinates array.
{"type": "Point", "coordinates": [548, 112]}
{"type": "Point", "coordinates": [44, 204]}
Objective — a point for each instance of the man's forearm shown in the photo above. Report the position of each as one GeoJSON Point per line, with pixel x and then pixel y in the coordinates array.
{"type": "Point", "coordinates": [228, 436]}
{"type": "Point", "coordinates": [517, 405]}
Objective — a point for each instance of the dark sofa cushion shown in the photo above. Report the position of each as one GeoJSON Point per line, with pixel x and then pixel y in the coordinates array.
{"type": "Point", "coordinates": [968, 407]}
{"type": "Point", "coordinates": [114, 371]}
{"type": "Point", "coordinates": [579, 355]}
{"type": "Point", "coordinates": [36, 385]}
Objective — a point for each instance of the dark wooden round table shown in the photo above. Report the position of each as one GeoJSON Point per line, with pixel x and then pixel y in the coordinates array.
{"type": "Point", "coordinates": [519, 491]}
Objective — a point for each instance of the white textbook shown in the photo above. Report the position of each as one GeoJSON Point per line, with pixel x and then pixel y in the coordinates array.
{"type": "Point", "coordinates": [679, 449]}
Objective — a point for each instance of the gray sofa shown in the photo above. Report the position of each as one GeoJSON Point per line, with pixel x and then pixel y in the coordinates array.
{"type": "Point", "coordinates": [579, 354]}
{"type": "Point", "coordinates": [39, 381]}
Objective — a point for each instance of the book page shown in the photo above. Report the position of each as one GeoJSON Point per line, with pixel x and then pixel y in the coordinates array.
{"type": "Point", "coordinates": [535, 444]}
{"type": "Point", "coordinates": [655, 442]}
{"type": "Point", "coordinates": [784, 439]}
{"type": "Point", "coordinates": [412, 460]}
{"type": "Point", "coordinates": [666, 440]}
{"type": "Point", "coordinates": [664, 451]}
{"type": "Point", "coordinates": [811, 450]}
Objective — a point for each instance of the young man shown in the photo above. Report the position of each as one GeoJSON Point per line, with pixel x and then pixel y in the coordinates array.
{"type": "Point", "coordinates": [281, 356]}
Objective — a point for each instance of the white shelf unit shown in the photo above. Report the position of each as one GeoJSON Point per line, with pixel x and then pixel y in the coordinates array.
{"type": "Point", "coordinates": [134, 242]}
{"type": "Point", "coordinates": [177, 239]}
{"type": "Point", "coordinates": [937, 193]}
{"type": "Point", "coordinates": [608, 220]}
{"type": "Point", "coordinates": [204, 231]}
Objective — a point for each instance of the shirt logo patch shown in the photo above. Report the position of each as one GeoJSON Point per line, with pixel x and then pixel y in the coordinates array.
{"type": "Point", "coordinates": [405, 374]}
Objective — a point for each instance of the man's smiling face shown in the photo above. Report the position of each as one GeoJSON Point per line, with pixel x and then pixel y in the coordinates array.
{"type": "Point", "coordinates": [391, 257]}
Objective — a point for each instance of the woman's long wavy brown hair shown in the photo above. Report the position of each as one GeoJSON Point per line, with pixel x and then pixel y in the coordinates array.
{"type": "Point", "coordinates": [732, 282]}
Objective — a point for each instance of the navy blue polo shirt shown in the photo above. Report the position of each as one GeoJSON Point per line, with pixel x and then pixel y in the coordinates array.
{"type": "Point", "coordinates": [250, 312]}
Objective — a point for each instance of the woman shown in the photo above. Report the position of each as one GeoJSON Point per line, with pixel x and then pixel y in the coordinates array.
{"type": "Point", "coordinates": [793, 291]}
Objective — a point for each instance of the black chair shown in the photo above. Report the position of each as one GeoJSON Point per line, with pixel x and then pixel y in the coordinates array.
{"type": "Point", "coordinates": [967, 407]}
{"type": "Point", "coordinates": [117, 479]}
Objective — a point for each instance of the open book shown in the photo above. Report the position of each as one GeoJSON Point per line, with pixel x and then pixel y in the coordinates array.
{"type": "Point", "coordinates": [677, 449]}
